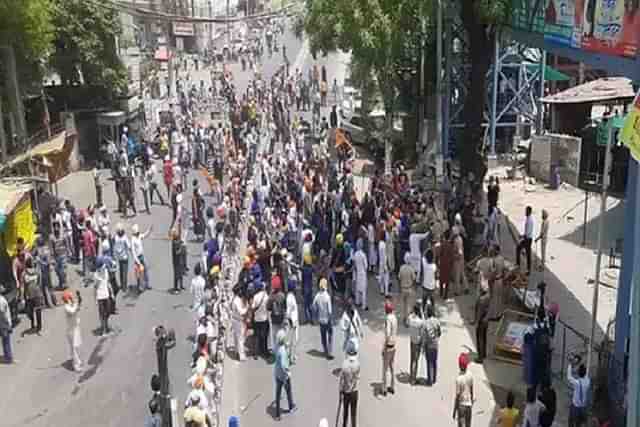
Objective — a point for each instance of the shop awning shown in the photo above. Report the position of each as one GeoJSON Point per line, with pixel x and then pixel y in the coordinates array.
{"type": "Point", "coordinates": [550, 73]}
{"type": "Point", "coordinates": [53, 146]}
{"type": "Point", "coordinates": [10, 197]}
{"type": "Point", "coordinates": [606, 90]}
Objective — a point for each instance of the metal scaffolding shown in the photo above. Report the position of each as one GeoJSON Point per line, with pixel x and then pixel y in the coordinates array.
{"type": "Point", "coordinates": [514, 85]}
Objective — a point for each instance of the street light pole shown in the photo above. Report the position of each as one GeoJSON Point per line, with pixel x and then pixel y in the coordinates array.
{"type": "Point", "coordinates": [439, 147]}
{"type": "Point", "coordinates": [601, 219]}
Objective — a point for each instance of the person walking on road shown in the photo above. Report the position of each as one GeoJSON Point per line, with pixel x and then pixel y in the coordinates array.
{"type": "Point", "coordinates": [324, 314]}
{"type": "Point", "coordinates": [351, 325]}
{"type": "Point", "coordinates": [349, 381]}
{"type": "Point", "coordinates": [360, 267]}
{"type": "Point", "coordinates": [428, 277]}
{"type": "Point", "coordinates": [282, 373]}
{"type": "Point", "coordinates": [464, 399]}
{"type": "Point", "coordinates": [140, 264]}
{"type": "Point", "coordinates": [292, 324]}
{"type": "Point", "coordinates": [482, 322]}
{"type": "Point", "coordinates": [277, 308]}
{"type": "Point", "coordinates": [581, 386]}
{"type": "Point", "coordinates": [103, 294]}
{"type": "Point", "coordinates": [74, 337]}
{"type": "Point", "coordinates": [239, 311]}
{"type": "Point", "coordinates": [416, 324]}
{"type": "Point", "coordinates": [432, 333]}
{"type": "Point", "coordinates": [407, 278]}
{"type": "Point", "coordinates": [121, 251]}
{"type": "Point", "coordinates": [260, 320]}
{"type": "Point", "coordinates": [60, 251]}
{"type": "Point", "coordinates": [6, 327]}
{"type": "Point", "coordinates": [33, 295]}
{"type": "Point", "coordinates": [543, 237]}
{"type": "Point", "coordinates": [389, 347]}
{"type": "Point", "coordinates": [527, 238]}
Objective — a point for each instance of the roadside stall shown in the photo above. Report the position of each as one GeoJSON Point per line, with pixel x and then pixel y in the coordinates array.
{"type": "Point", "coordinates": [16, 220]}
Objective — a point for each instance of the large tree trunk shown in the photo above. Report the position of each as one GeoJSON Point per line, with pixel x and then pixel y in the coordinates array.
{"type": "Point", "coordinates": [481, 42]}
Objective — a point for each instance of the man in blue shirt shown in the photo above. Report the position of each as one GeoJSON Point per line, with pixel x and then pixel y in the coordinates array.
{"type": "Point", "coordinates": [282, 373]}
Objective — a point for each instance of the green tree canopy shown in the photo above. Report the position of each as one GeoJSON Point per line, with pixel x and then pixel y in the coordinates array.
{"type": "Point", "coordinates": [26, 24]}
{"type": "Point", "coordinates": [382, 35]}
{"type": "Point", "coordinates": [85, 44]}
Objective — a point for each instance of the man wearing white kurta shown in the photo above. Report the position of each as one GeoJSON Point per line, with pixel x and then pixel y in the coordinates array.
{"type": "Point", "coordinates": [415, 239]}
{"type": "Point", "coordinates": [238, 312]}
{"type": "Point", "coordinates": [292, 320]}
{"type": "Point", "coordinates": [383, 268]}
{"type": "Point", "coordinates": [360, 267]}
{"type": "Point", "coordinates": [74, 338]}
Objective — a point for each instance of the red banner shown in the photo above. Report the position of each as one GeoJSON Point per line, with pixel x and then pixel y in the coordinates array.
{"type": "Point", "coordinates": [611, 27]}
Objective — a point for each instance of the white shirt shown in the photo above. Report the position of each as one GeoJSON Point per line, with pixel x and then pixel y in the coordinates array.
{"type": "Point", "coordinates": [239, 308]}
{"type": "Point", "coordinates": [102, 284]}
{"type": "Point", "coordinates": [528, 227]}
{"type": "Point", "coordinates": [73, 320]}
{"type": "Point", "coordinates": [292, 309]}
{"type": "Point", "coordinates": [259, 306]}
{"type": "Point", "coordinates": [581, 387]}
{"type": "Point", "coordinates": [197, 290]}
{"type": "Point", "coordinates": [136, 247]}
{"type": "Point", "coordinates": [414, 243]}
{"type": "Point", "coordinates": [428, 275]}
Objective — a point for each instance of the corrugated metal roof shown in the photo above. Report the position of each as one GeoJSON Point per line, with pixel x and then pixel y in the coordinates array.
{"type": "Point", "coordinates": [603, 90]}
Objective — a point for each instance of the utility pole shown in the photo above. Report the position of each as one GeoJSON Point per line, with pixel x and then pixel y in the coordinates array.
{"type": "Point", "coordinates": [16, 108]}
{"type": "Point", "coordinates": [3, 136]}
{"type": "Point", "coordinates": [633, 395]}
{"type": "Point", "coordinates": [540, 118]}
{"type": "Point", "coordinates": [228, 27]}
{"type": "Point", "coordinates": [494, 96]}
{"type": "Point", "coordinates": [439, 82]}
{"type": "Point", "coordinates": [601, 219]}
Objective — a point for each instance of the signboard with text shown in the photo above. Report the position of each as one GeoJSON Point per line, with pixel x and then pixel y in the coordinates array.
{"type": "Point", "coordinates": [183, 29]}
{"type": "Point", "coordinates": [601, 26]}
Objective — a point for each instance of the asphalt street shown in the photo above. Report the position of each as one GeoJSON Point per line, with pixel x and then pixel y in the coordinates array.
{"type": "Point", "coordinates": [41, 390]}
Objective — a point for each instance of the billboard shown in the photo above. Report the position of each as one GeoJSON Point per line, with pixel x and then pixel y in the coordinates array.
{"type": "Point", "coordinates": [183, 29]}
{"type": "Point", "coordinates": [600, 26]}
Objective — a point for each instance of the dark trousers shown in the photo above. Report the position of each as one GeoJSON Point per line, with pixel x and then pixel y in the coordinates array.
{"type": "Point", "coordinates": [153, 189]}
{"type": "Point", "coordinates": [45, 283]}
{"type": "Point", "coordinates": [98, 195]}
{"type": "Point", "coordinates": [34, 310]}
{"type": "Point", "coordinates": [307, 296]}
{"type": "Point", "coordinates": [413, 363]}
{"type": "Point", "coordinates": [123, 268]}
{"type": "Point", "coordinates": [326, 335]}
{"type": "Point", "coordinates": [60, 271]}
{"type": "Point", "coordinates": [178, 278]}
{"type": "Point", "coordinates": [5, 334]}
{"type": "Point", "coordinates": [262, 333]}
{"type": "Point", "coordinates": [431, 355]}
{"type": "Point", "coordinates": [464, 416]}
{"type": "Point", "coordinates": [577, 416]}
{"type": "Point", "coordinates": [526, 245]}
{"type": "Point", "coordinates": [350, 405]}
{"type": "Point", "coordinates": [104, 311]}
{"type": "Point", "coordinates": [481, 338]}
{"type": "Point", "coordinates": [145, 198]}
{"type": "Point", "coordinates": [287, 387]}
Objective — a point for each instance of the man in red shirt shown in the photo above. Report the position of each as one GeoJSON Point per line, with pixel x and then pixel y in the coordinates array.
{"type": "Point", "coordinates": [88, 250]}
{"type": "Point", "coordinates": [167, 173]}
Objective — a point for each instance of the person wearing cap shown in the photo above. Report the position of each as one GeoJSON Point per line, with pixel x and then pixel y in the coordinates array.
{"type": "Point", "coordinates": [261, 320]}
{"type": "Point", "coordinates": [137, 250]}
{"type": "Point", "coordinates": [60, 251]}
{"type": "Point", "coordinates": [338, 262]}
{"type": "Point", "coordinates": [349, 382]}
{"type": "Point", "coordinates": [277, 308]}
{"type": "Point", "coordinates": [292, 324]}
{"type": "Point", "coordinates": [464, 397]}
{"type": "Point", "coordinates": [121, 249]}
{"type": "Point", "coordinates": [360, 267]}
{"type": "Point", "coordinates": [74, 337]}
{"type": "Point", "coordinates": [383, 264]}
{"type": "Point", "coordinates": [389, 347]}
{"type": "Point", "coordinates": [167, 175]}
{"type": "Point", "coordinates": [307, 288]}
{"type": "Point", "coordinates": [324, 314]}
{"type": "Point", "coordinates": [282, 373]}
{"type": "Point", "coordinates": [194, 415]}
{"type": "Point", "coordinates": [482, 320]}
{"type": "Point", "coordinates": [103, 221]}
{"type": "Point", "coordinates": [415, 323]}
{"type": "Point", "coordinates": [198, 284]}
{"type": "Point", "coordinates": [407, 278]}
{"type": "Point", "coordinates": [89, 252]}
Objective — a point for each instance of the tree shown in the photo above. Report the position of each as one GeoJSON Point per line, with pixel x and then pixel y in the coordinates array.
{"type": "Point", "coordinates": [85, 45]}
{"type": "Point", "coordinates": [481, 20]}
{"type": "Point", "coordinates": [381, 36]}
{"type": "Point", "coordinates": [26, 25]}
